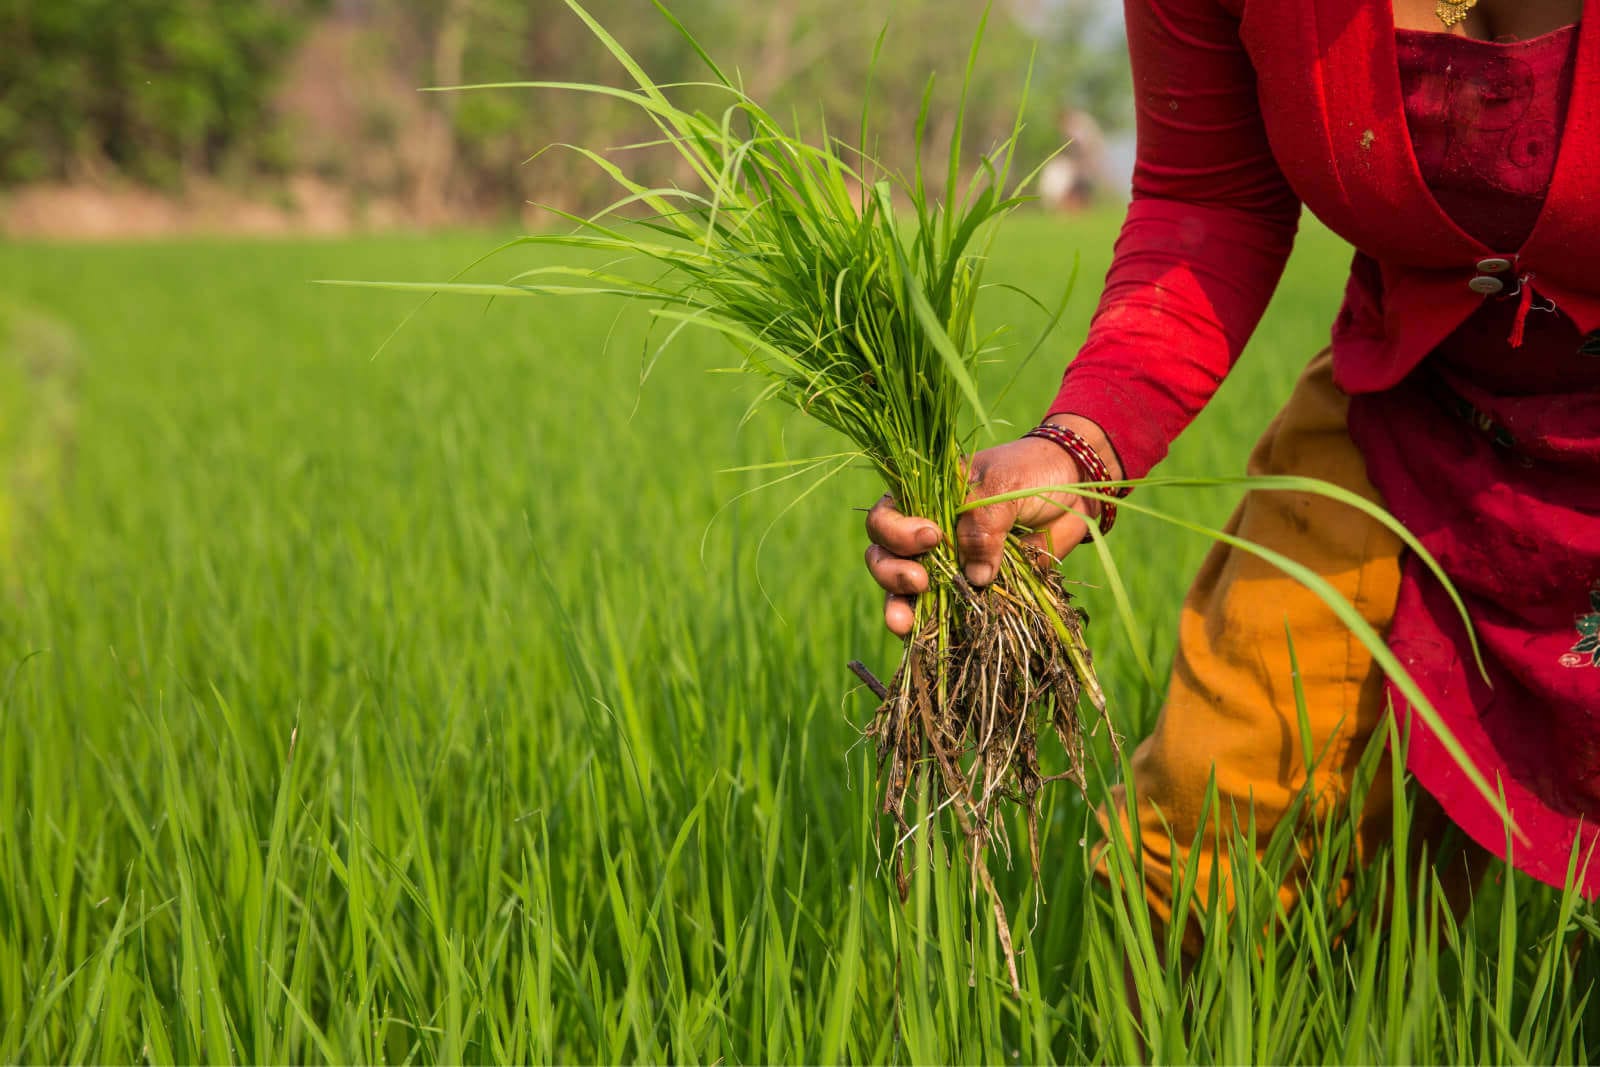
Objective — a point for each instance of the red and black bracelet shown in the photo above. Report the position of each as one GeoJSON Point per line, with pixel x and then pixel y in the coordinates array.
{"type": "Point", "coordinates": [1089, 462]}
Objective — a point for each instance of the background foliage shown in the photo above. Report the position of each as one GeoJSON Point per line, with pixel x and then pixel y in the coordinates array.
{"type": "Point", "coordinates": [151, 88]}
{"type": "Point", "coordinates": [157, 90]}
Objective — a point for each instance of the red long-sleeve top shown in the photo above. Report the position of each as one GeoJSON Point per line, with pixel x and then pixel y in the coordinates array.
{"type": "Point", "coordinates": [1246, 108]}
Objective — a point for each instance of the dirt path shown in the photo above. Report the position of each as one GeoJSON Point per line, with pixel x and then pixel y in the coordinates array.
{"type": "Point", "coordinates": [304, 205]}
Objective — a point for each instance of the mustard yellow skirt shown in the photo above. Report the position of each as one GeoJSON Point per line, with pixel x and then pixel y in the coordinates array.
{"type": "Point", "coordinates": [1231, 707]}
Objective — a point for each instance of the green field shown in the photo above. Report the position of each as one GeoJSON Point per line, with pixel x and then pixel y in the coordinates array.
{"type": "Point", "coordinates": [451, 704]}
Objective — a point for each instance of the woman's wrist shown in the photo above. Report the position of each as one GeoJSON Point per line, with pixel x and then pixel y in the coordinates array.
{"type": "Point", "coordinates": [1063, 431]}
{"type": "Point", "coordinates": [1096, 438]}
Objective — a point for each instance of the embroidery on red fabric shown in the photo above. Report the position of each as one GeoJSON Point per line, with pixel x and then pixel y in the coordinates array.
{"type": "Point", "coordinates": [1586, 653]}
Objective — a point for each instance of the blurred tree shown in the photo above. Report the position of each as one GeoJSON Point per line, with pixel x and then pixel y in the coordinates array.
{"type": "Point", "coordinates": [150, 88]}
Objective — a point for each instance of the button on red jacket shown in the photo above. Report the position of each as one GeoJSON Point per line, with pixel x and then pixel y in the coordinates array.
{"type": "Point", "coordinates": [1246, 110]}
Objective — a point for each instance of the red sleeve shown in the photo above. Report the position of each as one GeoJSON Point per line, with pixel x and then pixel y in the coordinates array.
{"type": "Point", "coordinates": [1204, 243]}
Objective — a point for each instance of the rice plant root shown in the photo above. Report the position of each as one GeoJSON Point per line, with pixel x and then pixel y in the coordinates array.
{"type": "Point", "coordinates": [985, 672]}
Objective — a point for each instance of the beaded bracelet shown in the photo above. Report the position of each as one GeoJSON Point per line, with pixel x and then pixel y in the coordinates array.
{"type": "Point", "coordinates": [1089, 462]}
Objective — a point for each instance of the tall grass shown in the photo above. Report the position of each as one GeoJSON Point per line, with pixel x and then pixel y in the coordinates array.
{"type": "Point", "coordinates": [333, 727]}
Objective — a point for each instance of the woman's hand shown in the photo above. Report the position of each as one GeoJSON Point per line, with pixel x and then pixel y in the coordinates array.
{"type": "Point", "coordinates": [1030, 463]}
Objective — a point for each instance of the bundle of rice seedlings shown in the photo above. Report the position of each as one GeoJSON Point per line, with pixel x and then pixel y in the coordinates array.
{"type": "Point", "coordinates": [852, 291]}
{"type": "Point", "coordinates": [866, 322]}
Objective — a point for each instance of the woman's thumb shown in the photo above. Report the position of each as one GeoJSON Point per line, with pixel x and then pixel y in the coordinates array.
{"type": "Point", "coordinates": [981, 539]}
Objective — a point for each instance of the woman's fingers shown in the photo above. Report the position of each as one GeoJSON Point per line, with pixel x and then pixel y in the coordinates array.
{"type": "Point", "coordinates": [896, 575]}
{"type": "Point", "coordinates": [981, 533]}
{"type": "Point", "coordinates": [903, 535]}
{"type": "Point", "coordinates": [895, 537]}
{"type": "Point", "coordinates": [899, 614]}
{"type": "Point", "coordinates": [981, 537]}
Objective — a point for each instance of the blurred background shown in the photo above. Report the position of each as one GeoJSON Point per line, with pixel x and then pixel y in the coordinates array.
{"type": "Point", "coordinates": [154, 117]}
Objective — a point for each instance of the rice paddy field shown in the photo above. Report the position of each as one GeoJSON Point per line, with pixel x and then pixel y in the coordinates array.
{"type": "Point", "coordinates": [459, 702]}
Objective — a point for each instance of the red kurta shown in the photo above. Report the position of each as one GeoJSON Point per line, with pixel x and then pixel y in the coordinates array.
{"type": "Point", "coordinates": [1514, 512]}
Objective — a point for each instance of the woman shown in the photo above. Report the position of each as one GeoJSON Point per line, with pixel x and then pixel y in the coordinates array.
{"type": "Point", "coordinates": [1456, 145]}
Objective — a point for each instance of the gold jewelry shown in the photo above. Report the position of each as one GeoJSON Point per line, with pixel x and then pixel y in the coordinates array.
{"type": "Point", "coordinates": [1451, 12]}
